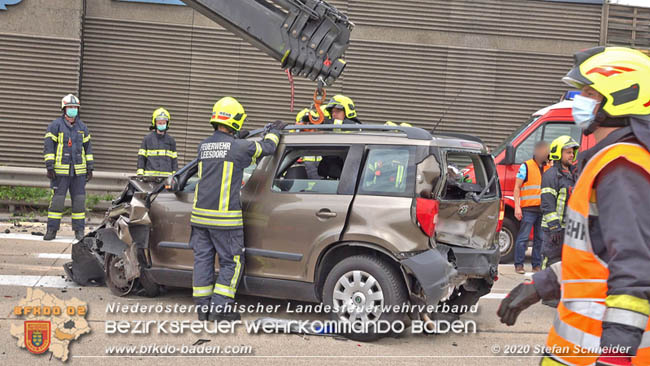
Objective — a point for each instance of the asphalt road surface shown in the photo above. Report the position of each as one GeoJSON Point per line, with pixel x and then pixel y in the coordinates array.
{"type": "Point", "coordinates": [27, 261]}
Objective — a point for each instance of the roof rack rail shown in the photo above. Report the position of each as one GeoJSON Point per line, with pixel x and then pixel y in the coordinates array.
{"type": "Point", "coordinates": [461, 136]}
{"type": "Point", "coordinates": [414, 133]}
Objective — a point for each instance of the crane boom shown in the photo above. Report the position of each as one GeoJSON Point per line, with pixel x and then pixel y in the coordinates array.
{"type": "Point", "coordinates": [308, 37]}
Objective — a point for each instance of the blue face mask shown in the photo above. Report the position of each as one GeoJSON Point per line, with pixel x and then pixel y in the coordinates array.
{"type": "Point", "coordinates": [161, 127]}
{"type": "Point", "coordinates": [583, 111]}
{"type": "Point", "coordinates": [71, 112]}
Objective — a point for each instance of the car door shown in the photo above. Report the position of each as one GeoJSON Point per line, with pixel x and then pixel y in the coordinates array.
{"type": "Point", "coordinates": [461, 220]}
{"type": "Point", "coordinates": [170, 217]}
{"type": "Point", "coordinates": [295, 203]}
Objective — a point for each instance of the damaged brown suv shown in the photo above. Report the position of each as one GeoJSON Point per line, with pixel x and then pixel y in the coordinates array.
{"type": "Point", "coordinates": [366, 215]}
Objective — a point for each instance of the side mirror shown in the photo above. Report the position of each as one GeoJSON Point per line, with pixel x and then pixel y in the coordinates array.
{"type": "Point", "coordinates": [171, 184]}
{"type": "Point", "coordinates": [510, 155]}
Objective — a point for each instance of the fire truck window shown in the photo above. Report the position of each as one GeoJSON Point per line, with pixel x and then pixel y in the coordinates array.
{"type": "Point", "coordinates": [525, 149]}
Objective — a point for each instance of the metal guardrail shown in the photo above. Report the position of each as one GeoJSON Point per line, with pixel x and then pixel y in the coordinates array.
{"type": "Point", "coordinates": [36, 177]}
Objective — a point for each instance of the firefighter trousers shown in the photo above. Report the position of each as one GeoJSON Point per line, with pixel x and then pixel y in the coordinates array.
{"type": "Point", "coordinates": [60, 186]}
{"type": "Point", "coordinates": [228, 245]}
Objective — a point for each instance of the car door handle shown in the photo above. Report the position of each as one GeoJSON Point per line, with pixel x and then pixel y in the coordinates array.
{"type": "Point", "coordinates": [325, 213]}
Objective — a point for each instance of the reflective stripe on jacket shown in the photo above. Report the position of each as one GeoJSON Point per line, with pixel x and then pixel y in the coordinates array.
{"type": "Point", "coordinates": [585, 304]}
{"type": "Point", "coordinates": [557, 184]}
{"type": "Point", "coordinates": [157, 155]}
{"type": "Point", "coordinates": [531, 191]}
{"type": "Point", "coordinates": [67, 147]}
{"type": "Point", "coordinates": [222, 160]}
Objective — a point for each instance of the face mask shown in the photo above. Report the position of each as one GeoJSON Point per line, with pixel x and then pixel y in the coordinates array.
{"type": "Point", "coordinates": [71, 112]}
{"type": "Point", "coordinates": [583, 111]}
{"type": "Point", "coordinates": [161, 127]}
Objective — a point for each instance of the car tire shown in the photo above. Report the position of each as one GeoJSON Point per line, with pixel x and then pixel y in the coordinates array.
{"type": "Point", "coordinates": [508, 233]}
{"type": "Point", "coordinates": [115, 280]}
{"type": "Point", "coordinates": [387, 281]}
{"type": "Point", "coordinates": [149, 287]}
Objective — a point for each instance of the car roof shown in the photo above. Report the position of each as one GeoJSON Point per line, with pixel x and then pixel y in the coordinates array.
{"type": "Point", "coordinates": [457, 141]}
{"type": "Point", "coordinates": [561, 105]}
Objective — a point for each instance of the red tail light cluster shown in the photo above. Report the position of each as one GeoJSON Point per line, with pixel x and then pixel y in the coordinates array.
{"type": "Point", "coordinates": [502, 212]}
{"type": "Point", "coordinates": [426, 211]}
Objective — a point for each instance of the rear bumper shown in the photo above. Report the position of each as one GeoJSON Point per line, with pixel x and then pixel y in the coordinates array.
{"type": "Point", "coordinates": [475, 262]}
{"type": "Point", "coordinates": [433, 272]}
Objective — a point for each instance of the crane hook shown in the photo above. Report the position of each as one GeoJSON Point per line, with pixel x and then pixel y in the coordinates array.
{"type": "Point", "coordinates": [319, 97]}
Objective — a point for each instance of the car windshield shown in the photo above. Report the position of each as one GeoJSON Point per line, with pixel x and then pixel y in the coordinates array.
{"type": "Point", "coordinates": [513, 136]}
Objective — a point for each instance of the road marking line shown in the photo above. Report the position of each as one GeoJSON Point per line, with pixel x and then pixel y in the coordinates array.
{"type": "Point", "coordinates": [30, 237]}
{"type": "Point", "coordinates": [54, 255]}
{"type": "Point", "coordinates": [58, 282]}
{"type": "Point", "coordinates": [36, 281]}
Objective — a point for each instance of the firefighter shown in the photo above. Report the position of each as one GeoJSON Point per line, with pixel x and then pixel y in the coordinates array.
{"type": "Point", "coordinates": [342, 110]}
{"type": "Point", "coordinates": [217, 222]}
{"type": "Point", "coordinates": [602, 281]}
{"type": "Point", "coordinates": [557, 184]}
{"type": "Point", "coordinates": [69, 161]}
{"type": "Point", "coordinates": [302, 118]}
{"type": "Point", "coordinates": [157, 156]}
{"type": "Point", "coordinates": [527, 197]}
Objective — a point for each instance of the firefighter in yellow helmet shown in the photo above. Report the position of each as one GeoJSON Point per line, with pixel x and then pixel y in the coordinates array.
{"type": "Point", "coordinates": [157, 156]}
{"type": "Point", "coordinates": [602, 281]}
{"type": "Point", "coordinates": [69, 161]}
{"type": "Point", "coordinates": [217, 221]}
{"type": "Point", "coordinates": [342, 110]}
{"type": "Point", "coordinates": [302, 118]}
{"type": "Point", "coordinates": [557, 185]}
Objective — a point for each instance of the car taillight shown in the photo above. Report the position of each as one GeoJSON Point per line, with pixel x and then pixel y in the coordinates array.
{"type": "Point", "coordinates": [426, 211]}
{"type": "Point", "coordinates": [502, 212]}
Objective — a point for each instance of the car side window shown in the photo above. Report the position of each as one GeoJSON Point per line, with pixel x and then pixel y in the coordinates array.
{"type": "Point", "coordinates": [468, 173]}
{"type": "Point", "coordinates": [386, 171]}
{"type": "Point", "coordinates": [309, 170]}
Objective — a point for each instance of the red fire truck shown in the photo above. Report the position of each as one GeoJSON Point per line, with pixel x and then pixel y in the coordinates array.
{"type": "Point", "coordinates": [545, 124]}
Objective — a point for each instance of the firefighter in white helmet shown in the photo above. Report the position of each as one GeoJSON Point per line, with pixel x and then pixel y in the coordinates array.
{"type": "Point", "coordinates": [69, 160]}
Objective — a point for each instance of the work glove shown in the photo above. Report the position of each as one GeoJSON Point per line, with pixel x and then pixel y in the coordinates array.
{"type": "Point", "coordinates": [242, 134]}
{"type": "Point", "coordinates": [614, 359]}
{"type": "Point", "coordinates": [277, 125]}
{"type": "Point", "coordinates": [89, 175]}
{"type": "Point", "coordinates": [557, 236]}
{"type": "Point", "coordinates": [51, 175]}
{"type": "Point", "coordinates": [520, 298]}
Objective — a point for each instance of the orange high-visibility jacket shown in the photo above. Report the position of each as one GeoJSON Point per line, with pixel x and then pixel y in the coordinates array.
{"type": "Point", "coordinates": [585, 304]}
{"type": "Point", "coordinates": [530, 193]}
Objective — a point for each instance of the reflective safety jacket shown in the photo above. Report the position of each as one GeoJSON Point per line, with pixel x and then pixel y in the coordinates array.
{"type": "Point", "coordinates": [531, 191]}
{"type": "Point", "coordinates": [157, 156]}
{"type": "Point", "coordinates": [67, 147]}
{"type": "Point", "coordinates": [222, 159]}
{"type": "Point", "coordinates": [592, 306]}
{"type": "Point", "coordinates": [557, 184]}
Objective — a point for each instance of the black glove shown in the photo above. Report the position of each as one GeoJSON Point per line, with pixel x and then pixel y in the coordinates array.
{"type": "Point", "coordinates": [557, 236]}
{"type": "Point", "coordinates": [278, 125]}
{"type": "Point", "coordinates": [520, 298]}
{"type": "Point", "coordinates": [51, 175]}
{"type": "Point", "coordinates": [242, 134]}
{"type": "Point", "coordinates": [89, 175]}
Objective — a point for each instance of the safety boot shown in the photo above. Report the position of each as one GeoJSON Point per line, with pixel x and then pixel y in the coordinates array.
{"type": "Point", "coordinates": [79, 235]}
{"type": "Point", "coordinates": [50, 234]}
{"type": "Point", "coordinates": [227, 316]}
{"type": "Point", "coordinates": [203, 315]}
